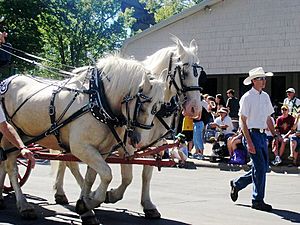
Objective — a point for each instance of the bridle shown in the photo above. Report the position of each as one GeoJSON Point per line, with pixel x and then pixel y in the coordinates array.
{"type": "Point", "coordinates": [182, 75]}
{"type": "Point", "coordinates": [140, 100]}
{"type": "Point", "coordinates": [171, 108]}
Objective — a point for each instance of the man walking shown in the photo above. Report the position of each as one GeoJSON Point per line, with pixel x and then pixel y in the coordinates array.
{"type": "Point", "coordinates": [255, 111]}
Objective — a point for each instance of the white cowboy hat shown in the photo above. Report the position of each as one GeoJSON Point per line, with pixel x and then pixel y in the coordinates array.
{"type": "Point", "coordinates": [256, 72]}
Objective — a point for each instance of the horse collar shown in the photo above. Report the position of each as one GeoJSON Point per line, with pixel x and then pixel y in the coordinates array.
{"type": "Point", "coordinates": [99, 106]}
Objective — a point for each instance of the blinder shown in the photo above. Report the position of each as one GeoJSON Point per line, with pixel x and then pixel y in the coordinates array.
{"type": "Point", "coordinates": [182, 76]}
{"type": "Point", "coordinates": [140, 100]}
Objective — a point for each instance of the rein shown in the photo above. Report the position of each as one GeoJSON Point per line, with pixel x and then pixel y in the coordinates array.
{"type": "Point", "coordinates": [54, 70]}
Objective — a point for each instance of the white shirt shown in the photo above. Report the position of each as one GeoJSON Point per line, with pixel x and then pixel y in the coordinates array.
{"type": "Point", "coordinates": [256, 107]}
{"type": "Point", "coordinates": [293, 105]}
{"type": "Point", "coordinates": [2, 116]}
{"type": "Point", "coordinates": [227, 121]}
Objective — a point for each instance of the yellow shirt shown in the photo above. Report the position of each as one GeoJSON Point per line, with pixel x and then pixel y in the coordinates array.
{"type": "Point", "coordinates": [187, 123]}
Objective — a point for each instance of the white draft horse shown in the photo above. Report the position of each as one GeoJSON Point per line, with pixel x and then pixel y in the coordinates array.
{"type": "Point", "coordinates": [85, 137]}
{"type": "Point", "coordinates": [185, 85]}
{"type": "Point", "coordinates": [182, 77]}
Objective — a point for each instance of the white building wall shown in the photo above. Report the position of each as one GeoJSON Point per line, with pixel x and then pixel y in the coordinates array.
{"type": "Point", "coordinates": [235, 36]}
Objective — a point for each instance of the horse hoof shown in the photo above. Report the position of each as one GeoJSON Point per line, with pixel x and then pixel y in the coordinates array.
{"type": "Point", "coordinates": [81, 207]}
{"type": "Point", "coordinates": [28, 214]}
{"type": "Point", "coordinates": [152, 214]}
{"type": "Point", "coordinates": [90, 220]}
{"type": "Point", "coordinates": [61, 199]}
{"type": "Point", "coordinates": [2, 204]}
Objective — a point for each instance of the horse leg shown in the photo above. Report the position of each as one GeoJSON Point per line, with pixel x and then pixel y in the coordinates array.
{"type": "Point", "coordinates": [25, 209]}
{"type": "Point", "coordinates": [117, 194]}
{"type": "Point", "coordinates": [74, 168]}
{"type": "Point", "coordinates": [88, 182]}
{"type": "Point", "coordinates": [2, 178]}
{"type": "Point", "coordinates": [95, 161]}
{"type": "Point", "coordinates": [59, 194]}
{"type": "Point", "coordinates": [149, 208]}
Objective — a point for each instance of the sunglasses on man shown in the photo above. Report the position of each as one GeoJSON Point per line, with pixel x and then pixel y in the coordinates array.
{"type": "Point", "coordinates": [260, 78]}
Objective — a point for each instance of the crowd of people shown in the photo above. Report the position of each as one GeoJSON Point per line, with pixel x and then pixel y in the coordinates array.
{"type": "Point", "coordinates": [222, 117]}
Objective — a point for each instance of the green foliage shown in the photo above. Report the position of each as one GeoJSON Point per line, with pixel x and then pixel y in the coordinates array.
{"type": "Point", "coordinates": [65, 30]}
{"type": "Point", "coordinates": [71, 28]}
{"type": "Point", "coordinates": [20, 17]}
{"type": "Point", "coordinates": [164, 9]}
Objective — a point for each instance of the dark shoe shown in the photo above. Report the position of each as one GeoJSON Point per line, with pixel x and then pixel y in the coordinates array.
{"type": "Point", "coordinates": [234, 192]}
{"type": "Point", "coordinates": [261, 206]}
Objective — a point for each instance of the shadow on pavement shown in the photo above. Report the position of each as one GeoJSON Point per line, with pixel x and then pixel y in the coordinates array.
{"type": "Point", "coordinates": [291, 216]}
{"type": "Point", "coordinates": [120, 216]}
{"type": "Point", "coordinates": [46, 216]}
{"type": "Point", "coordinates": [10, 214]}
{"type": "Point", "coordinates": [294, 217]}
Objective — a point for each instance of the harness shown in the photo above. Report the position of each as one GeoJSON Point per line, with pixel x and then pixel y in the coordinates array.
{"type": "Point", "coordinates": [182, 75]}
{"type": "Point", "coordinates": [171, 108]}
{"type": "Point", "coordinates": [98, 106]}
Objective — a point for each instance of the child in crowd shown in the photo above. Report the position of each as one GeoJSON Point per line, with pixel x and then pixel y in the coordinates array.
{"type": "Point", "coordinates": [180, 153]}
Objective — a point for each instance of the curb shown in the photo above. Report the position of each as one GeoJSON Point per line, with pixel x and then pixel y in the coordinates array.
{"type": "Point", "coordinates": [231, 167]}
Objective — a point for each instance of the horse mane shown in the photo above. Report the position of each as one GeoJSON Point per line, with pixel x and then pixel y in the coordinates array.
{"type": "Point", "coordinates": [154, 61]}
{"type": "Point", "coordinates": [113, 67]}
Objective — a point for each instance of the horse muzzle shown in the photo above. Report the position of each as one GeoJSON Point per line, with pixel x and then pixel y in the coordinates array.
{"type": "Point", "coordinates": [191, 108]}
{"type": "Point", "coordinates": [134, 138]}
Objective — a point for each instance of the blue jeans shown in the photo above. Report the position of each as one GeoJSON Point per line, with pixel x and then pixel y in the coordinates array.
{"type": "Point", "coordinates": [260, 165]}
{"type": "Point", "coordinates": [198, 135]}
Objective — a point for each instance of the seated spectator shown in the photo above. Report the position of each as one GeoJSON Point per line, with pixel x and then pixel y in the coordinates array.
{"type": "Point", "coordinates": [283, 126]}
{"type": "Point", "coordinates": [295, 141]}
{"type": "Point", "coordinates": [292, 101]}
{"type": "Point", "coordinates": [180, 153]}
{"type": "Point", "coordinates": [223, 122]}
{"type": "Point", "coordinates": [233, 141]}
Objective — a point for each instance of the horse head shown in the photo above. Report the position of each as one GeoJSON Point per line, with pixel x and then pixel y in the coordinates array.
{"type": "Point", "coordinates": [188, 77]}
{"type": "Point", "coordinates": [184, 74]}
{"type": "Point", "coordinates": [142, 109]}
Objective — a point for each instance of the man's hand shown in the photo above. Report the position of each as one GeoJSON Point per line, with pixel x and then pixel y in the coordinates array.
{"type": "Point", "coordinates": [251, 148]}
{"type": "Point", "coordinates": [27, 154]}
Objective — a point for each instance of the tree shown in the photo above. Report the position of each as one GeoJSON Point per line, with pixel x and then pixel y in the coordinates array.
{"type": "Point", "coordinates": [20, 17]}
{"type": "Point", "coordinates": [73, 27]}
{"type": "Point", "coordinates": [164, 9]}
{"type": "Point", "coordinates": [65, 30]}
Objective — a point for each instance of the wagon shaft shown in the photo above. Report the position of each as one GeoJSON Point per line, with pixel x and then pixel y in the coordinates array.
{"type": "Point", "coordinates": [136, 158]}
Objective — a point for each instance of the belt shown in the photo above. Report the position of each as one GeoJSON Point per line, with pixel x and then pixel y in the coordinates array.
{"type": "Point", "coordinates": [257, 130]}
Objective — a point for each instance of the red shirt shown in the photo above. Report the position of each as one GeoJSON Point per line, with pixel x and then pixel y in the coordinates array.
{"type": "Point", "coordinates": [284, 125]}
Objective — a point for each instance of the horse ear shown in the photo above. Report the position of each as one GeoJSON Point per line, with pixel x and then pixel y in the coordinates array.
{"type": "Point", "coordinates": [145, 86]}
{"type": "Point", "coordinates": [174, 38]}
{"type": "Point", "coordinates": [180, 48]}
{"type": "Point", "coordinates": [194, 46]}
